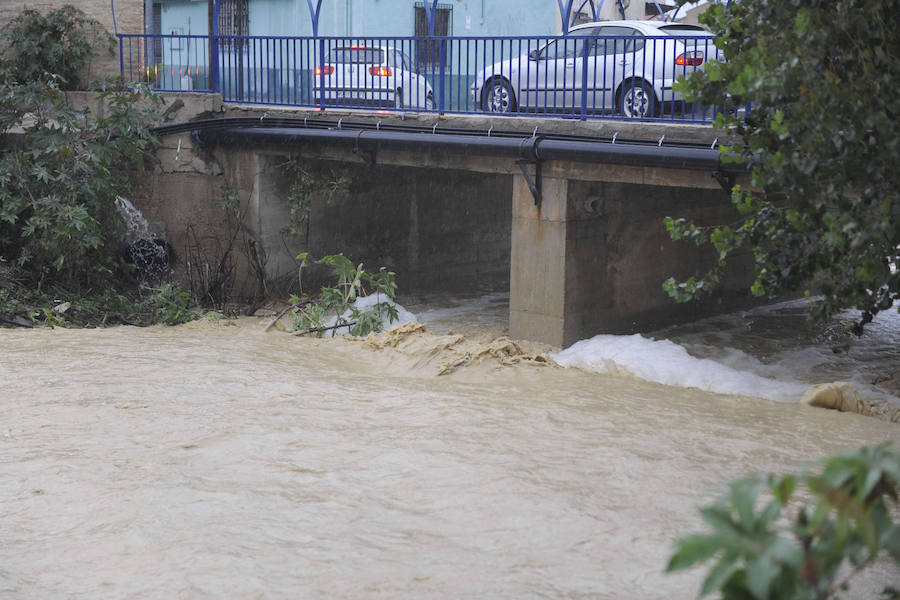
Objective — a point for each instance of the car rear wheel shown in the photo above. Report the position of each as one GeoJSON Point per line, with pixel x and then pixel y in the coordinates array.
{"type": "Point", "coordinates": [398, 98]}
{"type": "Point", "coordinates": [498, 96]}
{"type": "Point", "coordinates": [429, 102]}
{"type": "Point", "coordinates": [637, 99]}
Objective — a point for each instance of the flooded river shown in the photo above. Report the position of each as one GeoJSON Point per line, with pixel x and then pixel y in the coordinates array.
{"type": "Point", "coordinates": [217, 461]}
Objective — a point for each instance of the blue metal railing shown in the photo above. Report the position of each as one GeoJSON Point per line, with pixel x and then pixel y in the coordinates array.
{"type": "Point", "coordinates": [589, 76]}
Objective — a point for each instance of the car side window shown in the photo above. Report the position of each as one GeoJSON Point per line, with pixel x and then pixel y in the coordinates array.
{"type": "Point", "coordinates": [625, 39]}
{"type": "Point", "coordinates": [569, 46]}
{"type": "Point", "coordinates": [407, 61]}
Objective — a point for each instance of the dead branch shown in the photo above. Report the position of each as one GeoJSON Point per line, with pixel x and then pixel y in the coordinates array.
{"type": "Point", "coordinates": [321, 329]}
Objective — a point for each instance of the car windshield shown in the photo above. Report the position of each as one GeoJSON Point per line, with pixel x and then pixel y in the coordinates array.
{"type": "Point", "coordinates": [374, 56]}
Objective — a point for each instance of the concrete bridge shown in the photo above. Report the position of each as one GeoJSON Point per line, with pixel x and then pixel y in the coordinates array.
{"type": "Point", "coordinates": [566, 214]}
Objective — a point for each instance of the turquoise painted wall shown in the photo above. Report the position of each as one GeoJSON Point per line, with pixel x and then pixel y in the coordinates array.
{"type": "Point", "coordinates": [374, 17]}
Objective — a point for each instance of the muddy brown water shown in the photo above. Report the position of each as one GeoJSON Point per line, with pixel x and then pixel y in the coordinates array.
{"type": "Point", "coordinates": [212, 461]}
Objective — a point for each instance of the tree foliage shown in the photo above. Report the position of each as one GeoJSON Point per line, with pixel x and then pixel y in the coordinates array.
{"type": "Point", "coordinates": [822, 139]}
{"type": "Point", "coordinates": [60, 176]}
{"type": "Point", "coordinates": [61, 168]}
{"type": "Point", "coordinates": [54, 45]}
{"type": "Point", "coordinates": [798, 537]}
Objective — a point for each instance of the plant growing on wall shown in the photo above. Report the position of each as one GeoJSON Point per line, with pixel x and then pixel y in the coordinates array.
{"type": "Point", "coordinates": [212, 260]}
{"type": "Point", "coordinates": [53, 46]}
{"type": "Point", "coordinates": [305, 185]}
{"type": "Point", "coordinates": [337, 308]}
{"type": "Point", "coordinates": [803, 536]}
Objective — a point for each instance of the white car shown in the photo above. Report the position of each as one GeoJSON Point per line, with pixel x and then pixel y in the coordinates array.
{"type": "Point", "coordinates": [623, 67]}
{"type": "Point", "coordinates": [382, 76]}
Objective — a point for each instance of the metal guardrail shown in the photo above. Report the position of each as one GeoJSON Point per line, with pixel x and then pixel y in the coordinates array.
{"type": "Point", "coordinates": [619, 77]}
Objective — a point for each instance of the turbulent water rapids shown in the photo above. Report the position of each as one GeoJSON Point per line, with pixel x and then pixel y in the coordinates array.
{"type": "Point", "coordinates": [225, 461]}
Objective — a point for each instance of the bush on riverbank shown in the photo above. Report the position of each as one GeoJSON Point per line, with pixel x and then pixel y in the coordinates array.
{"type": "Point", "coordinates": [62, 236]}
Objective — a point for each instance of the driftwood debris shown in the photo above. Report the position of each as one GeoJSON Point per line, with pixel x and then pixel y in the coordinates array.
{"type": "Point", "coordinates": [348, 325]}
{"type": "Point", "coordinates": [288, 309]}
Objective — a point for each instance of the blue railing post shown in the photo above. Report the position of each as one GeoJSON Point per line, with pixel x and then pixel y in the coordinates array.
{"type": "Point", "coordinates": [565, 13]}
{"type": "Point", "coordinates": [314, 18]}
{"type": "Point", "coordinates": [321, 66]}
{"type": "Point", "coordinates": [121, 58]}
{"type": "Point", "coordinates": [443, 72]}
{"type": "Point", "coordinates": [584, 74]}
{"type": "Point", "coordinates": [214, 51]}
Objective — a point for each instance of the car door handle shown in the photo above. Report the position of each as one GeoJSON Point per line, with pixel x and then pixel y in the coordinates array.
{"type": "Point", "coordinates": [570, 65]}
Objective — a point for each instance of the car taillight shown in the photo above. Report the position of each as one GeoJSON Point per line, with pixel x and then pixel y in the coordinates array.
{"type": "Point", "coordinates": [690, 59]}
{"type": "Point", "coordinates": [380, 71]}
{"type": "Point", "coordinates": [326, 70]}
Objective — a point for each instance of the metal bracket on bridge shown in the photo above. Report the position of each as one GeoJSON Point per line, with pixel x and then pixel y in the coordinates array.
{"type": "Point", "coordinates": [726, 180]}
{"type": "Point", "coordinates": [368, 156]}
{"type": "Point", "coordinates": [533, 184]}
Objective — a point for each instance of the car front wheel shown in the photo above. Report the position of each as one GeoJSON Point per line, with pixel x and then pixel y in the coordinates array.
{"type": "Point", "coordinates": [637, 99]}
{"type": "Point", "coordinates": [498, 96]}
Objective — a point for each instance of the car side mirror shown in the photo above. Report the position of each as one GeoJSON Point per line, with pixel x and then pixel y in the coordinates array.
{"type": "Point", "coordinates": [534, 55]}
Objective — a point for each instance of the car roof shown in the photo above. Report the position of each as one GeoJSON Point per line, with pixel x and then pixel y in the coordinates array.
{"type": "Point", "coordinates": [649, 27]}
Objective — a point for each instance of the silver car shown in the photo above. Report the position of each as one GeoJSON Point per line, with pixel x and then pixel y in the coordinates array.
{"type": "Point", "coordinates": [622, 67]}
{"type": "Point", "coordinates": [382, 76]}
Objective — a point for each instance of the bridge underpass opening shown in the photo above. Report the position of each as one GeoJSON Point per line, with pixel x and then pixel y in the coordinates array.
{"type": "Point", "coordinates": [439, 230]}
{"type": "Point", "coordinates": [590, 259]}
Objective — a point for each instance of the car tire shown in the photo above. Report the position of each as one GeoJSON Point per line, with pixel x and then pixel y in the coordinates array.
{"type": "Point", "coordinates": [398, 98]}
{"type": "Point", "coordinates": [636, 99]}
{"type": "Point", "coordinates": [498, 96]}
{"type": "Point", "coordinates": [429, 102]}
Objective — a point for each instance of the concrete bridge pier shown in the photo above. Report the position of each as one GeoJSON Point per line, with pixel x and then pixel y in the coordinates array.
{"type": "Point", "coordinates": [591, 258]}
{"type": "Point", "coordinates": [543, 298]}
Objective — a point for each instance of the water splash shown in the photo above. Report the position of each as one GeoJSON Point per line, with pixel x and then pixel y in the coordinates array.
{"type": "Point", "coordinates": [137, 226]}
{"type": "Point", "coordinates": [145, 251]}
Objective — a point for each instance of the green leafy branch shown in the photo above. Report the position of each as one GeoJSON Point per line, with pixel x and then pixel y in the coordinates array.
{"type": "Point", "coordinates": [311, 316]}
{"type": "Point", "coordinates": [803, 536]}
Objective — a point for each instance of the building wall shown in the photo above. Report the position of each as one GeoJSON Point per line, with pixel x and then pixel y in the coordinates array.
{"type": "Point", "coordinates": [129, 18]}
{"type": "Point", "coordinates": [382, 17]}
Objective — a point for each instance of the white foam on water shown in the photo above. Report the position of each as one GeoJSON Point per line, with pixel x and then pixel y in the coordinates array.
{"type": "Point", "coordinates": [771, 352]}
{"type": "Point", "coordinates": [665, 362]}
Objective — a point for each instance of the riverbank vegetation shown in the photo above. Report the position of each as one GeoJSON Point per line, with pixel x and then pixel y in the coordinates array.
{"type": "Point", "coordinates": [64, 258]}
{"type": "Point", "coordinates": [801, 536]}
{"type": "Point", "coordinates": [822, 140]}
{"type": "Point", "coordinates": [360, 302]}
